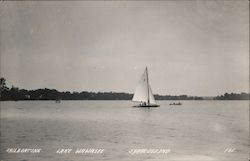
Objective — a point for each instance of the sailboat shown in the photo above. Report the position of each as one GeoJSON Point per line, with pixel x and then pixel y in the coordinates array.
{"type": "Point", "coordinates": [143, 93]}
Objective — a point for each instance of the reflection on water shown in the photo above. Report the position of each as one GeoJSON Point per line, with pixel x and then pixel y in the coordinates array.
{"type": "Point", "coordinates": [197, 130]}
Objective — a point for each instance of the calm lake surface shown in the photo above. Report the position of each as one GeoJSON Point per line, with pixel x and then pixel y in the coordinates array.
{"type": "Point", "coordinates": [195, 131]}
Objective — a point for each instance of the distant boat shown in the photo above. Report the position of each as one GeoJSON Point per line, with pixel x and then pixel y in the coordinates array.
{"type": "Point", "coordinates": [143, 93]}
{"type": "Point", "coordinates": [175, 103]}
{"type": "Point", "coordinates": [58, 100]}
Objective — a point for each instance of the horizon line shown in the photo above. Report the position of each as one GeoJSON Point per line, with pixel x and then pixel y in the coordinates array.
{"type": "Point", "coordinates": [110, 91]}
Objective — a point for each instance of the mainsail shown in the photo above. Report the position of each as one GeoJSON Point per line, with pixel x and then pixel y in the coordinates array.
{"type": "Point", "coordinates": [143, 92]}
{"type": "Point", "coordinates": [151, 97]}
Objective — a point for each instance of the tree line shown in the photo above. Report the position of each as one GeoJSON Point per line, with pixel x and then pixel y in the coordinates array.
{"type": "Point", "coordinates": [233, 96]}
{"type": "Point", "coordinates": [14, 93]}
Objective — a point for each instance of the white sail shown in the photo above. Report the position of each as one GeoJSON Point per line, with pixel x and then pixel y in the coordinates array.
{"type": "Point", "coordinates": [151, 97]}
{"type": "Point", "coordinates": [141, 91]}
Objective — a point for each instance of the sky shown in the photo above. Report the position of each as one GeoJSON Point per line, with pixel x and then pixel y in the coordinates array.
{"type": "Point", "coordinates": [198, 48]}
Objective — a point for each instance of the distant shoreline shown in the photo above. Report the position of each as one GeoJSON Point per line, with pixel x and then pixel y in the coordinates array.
{"type": "Point", "coordinates": [112, 100]}
{"type": "Point", "coordinates": [16, 94]}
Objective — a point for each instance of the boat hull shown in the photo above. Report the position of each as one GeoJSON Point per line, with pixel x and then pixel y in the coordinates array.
{"type": "Point", "coordinates": [175, 104]}
{"type": "Point", "coordinates": [146, 106]}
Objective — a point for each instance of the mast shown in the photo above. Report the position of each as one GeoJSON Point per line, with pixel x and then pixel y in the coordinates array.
{"type": "Point", "coordinates": [147, 84]}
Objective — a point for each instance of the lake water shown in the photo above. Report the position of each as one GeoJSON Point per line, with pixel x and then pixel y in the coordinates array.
{"type": "Point", "coordinates": [195, 131]}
